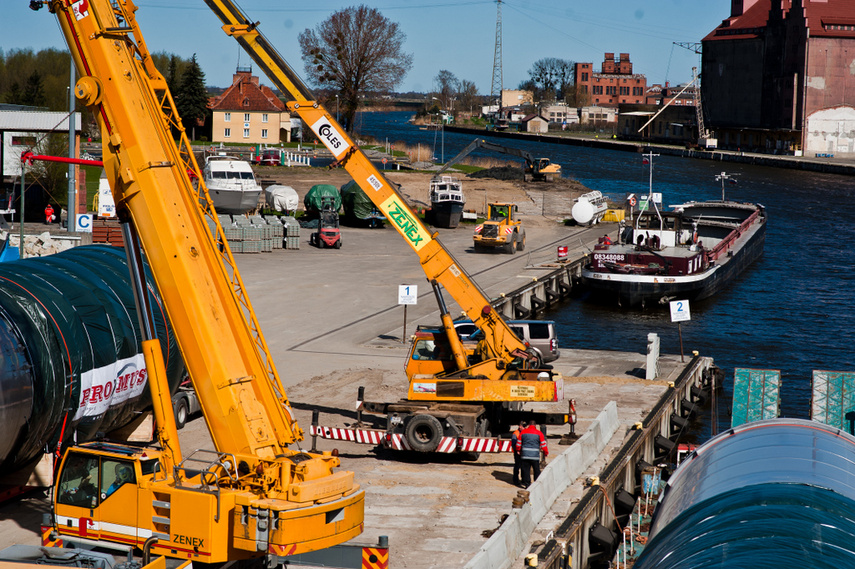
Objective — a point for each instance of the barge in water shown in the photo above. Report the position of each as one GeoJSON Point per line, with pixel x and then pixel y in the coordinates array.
{"type": "Point", "coordinates": [688, 253]}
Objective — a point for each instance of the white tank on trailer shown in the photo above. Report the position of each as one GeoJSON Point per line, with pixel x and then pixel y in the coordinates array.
{"type": "Point", "coordinates": [589, 208]}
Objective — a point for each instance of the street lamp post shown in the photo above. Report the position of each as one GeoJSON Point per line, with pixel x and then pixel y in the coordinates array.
{"type": "Point", "coordinates": [336, 107]}
{"type": "Point", "coordinates": [441, 131]}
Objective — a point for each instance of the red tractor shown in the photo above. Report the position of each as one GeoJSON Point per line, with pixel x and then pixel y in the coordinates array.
{"type": "Point", "coordinates": [328, 233]}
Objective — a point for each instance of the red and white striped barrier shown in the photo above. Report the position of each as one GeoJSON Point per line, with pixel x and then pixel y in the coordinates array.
{"type": "Point", "coordinates": [397, 441]}
{"type": "Point", "coordinates": [362, 436]}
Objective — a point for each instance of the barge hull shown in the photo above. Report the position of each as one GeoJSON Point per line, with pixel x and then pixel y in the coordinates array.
{"type": "Point", "coordinates": [636, 291]}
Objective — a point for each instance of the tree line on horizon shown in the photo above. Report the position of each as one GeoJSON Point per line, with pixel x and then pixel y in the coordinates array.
{"type": "Point", "coordinates": [344, 58]}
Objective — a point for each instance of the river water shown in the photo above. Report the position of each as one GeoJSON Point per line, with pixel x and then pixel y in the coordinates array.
{"type": "Point", "coordinates": [791, 310]}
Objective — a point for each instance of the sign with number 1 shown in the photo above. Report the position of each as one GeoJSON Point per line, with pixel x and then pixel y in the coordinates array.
{"type": "Point", "coordinates": [408, 294]}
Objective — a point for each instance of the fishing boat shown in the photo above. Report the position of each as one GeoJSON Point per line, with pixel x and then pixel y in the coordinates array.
{"type": "Point", "coordinates": [691, 252]}
{"type": "Point", "coordinates": [446, 202]}
{"type": "Point", "coordinates": [231, 184]}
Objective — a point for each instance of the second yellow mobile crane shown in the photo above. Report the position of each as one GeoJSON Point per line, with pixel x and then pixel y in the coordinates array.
{"type": "Point", "coordinates": [475, 396]}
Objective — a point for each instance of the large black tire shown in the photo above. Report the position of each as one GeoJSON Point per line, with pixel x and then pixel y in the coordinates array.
{"type": "Point", "coordinates": [511, 246]}
{"type": "Point", "coordinates": [423, 433]}
{"type": "Point", "coordinates": [338, 244]}
{"type": "Point", "coordinates": [521, 243]}
{"type": "Point", "coordinates": [181, 413]}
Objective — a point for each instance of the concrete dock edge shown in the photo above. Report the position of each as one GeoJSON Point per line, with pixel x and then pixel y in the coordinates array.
{"type": "Point", "coordinates": [507, 543]}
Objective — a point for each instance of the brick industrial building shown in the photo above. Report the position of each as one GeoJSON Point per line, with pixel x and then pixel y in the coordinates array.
{"type": "Point", "coordinates": [779, 76]}
{"type": "Point", "coordinates": [615, 84]}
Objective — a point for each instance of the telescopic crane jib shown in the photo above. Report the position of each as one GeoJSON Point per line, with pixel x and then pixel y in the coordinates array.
{"type": "Point", "coordinates": [253, 495]}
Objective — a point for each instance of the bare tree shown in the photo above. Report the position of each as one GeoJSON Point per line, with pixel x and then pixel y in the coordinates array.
{"type": "Point", "coordinates": [467, 95]}
{"type": "Point", "coordinates": [551, 77]}
{"type": "Point", "coordinates": [355, 50]}
{"type": "Point", "coordinates": [446, 85]}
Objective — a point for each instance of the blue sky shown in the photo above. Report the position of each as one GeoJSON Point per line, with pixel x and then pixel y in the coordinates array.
{"type": "Point", "coordinates": [441, 34]}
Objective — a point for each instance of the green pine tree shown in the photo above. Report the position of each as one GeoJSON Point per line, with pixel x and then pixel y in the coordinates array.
{"type": "Point", "coordinates": [192, 97]}
{"type": "Point", "coordinates": [34, 93]}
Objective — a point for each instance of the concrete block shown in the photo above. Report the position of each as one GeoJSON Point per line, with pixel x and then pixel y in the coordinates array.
{"type": "Point", "coordinates": [508, 542]}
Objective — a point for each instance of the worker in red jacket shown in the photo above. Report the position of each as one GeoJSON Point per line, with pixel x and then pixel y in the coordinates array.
{"type": "Point", "coordinates": [530, 444]}
{"type": "Point", "coordinates": [515, 439]}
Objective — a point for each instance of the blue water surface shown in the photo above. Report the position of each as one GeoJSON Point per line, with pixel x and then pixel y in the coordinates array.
{"type": "Point", "coordinates": [791, 310]}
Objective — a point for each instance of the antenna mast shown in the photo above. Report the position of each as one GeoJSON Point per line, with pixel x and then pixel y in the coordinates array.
{"type": "Point", "coordinates": [496, 88]}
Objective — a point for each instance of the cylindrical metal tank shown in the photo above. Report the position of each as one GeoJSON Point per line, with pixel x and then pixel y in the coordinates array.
{"type": "Point", "coordinates": [589, 208]}
{"type": "Point", "coordinates": [769, 494]}
{"type": "Point", "coordinates": [70, 360]}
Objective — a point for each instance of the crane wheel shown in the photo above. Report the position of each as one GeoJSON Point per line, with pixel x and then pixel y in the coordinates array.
{"type": "Point", "coordinates": [423, 433]}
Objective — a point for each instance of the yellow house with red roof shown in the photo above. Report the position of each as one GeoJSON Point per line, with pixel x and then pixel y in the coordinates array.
{"type": "Point", "coordinates": [248, 112]}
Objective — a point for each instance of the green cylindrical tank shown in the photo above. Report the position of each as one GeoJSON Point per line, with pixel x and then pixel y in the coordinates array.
{"type": "Point", "coordinates": [70, 358]}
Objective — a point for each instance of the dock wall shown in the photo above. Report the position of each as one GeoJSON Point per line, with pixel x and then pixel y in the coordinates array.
{"type": "Point", "coordinates": [649, 443]}
{"type": "Point", "coordinates": [543, 292]}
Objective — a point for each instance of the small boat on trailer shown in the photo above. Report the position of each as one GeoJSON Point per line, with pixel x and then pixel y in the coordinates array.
{"type": "Point", "coordinates": [446, 202]}
{"type": "Point", "coordinates": [689, 253]}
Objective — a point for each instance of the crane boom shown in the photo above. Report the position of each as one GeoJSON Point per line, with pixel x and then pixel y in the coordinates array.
{"type": "Point", "coordinates": [257, 495]}
{"type": "Point", "coordinates": [438, 263]}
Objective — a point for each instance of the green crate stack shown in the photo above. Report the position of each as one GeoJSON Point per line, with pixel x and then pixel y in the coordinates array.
{"type": "Point", "coordinates": [293, 227]}
{"type": "Point", "coordinates": [233, 234]}
{"type": "Point", "coordinates": [252, 246]}
{"type": "Point", "coordinates": [236, 247]}
{"type": "Point", "coordinates": [251, 233]}
{"type": "Point", "coordinates": [278, 233]}
{"type": "Point", "coordinates": [292, 242]}
{"type": "Point", "coordinates": [267, 245]}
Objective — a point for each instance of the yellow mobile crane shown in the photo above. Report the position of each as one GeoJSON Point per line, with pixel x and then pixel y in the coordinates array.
{"type": "Point", "coordinates": [253, 495]}
{"type": "Point", "coordinates": [477, 394]}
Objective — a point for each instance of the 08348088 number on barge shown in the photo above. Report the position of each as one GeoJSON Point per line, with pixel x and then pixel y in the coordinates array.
{"type": "Point", "coordinates": [688, 253]}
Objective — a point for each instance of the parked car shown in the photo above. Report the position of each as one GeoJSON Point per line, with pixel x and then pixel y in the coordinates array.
{"type": "Point", "coordinates": [185, 403]}
{"type": "Point", "coordinates": [540, 335]}
{"type": "Point", "coordinates": [270, 157]}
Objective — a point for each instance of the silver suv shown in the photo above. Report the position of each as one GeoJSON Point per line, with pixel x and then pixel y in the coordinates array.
{"type": "Point", "coordinates": [538, 334]}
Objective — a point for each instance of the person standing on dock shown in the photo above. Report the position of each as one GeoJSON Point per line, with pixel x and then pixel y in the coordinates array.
{"type": "Point", "coordinates": [515, 439]}
{"type": "Point", "coordinates": [530, 444]}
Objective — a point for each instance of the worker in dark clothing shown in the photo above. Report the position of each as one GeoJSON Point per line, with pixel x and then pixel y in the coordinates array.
{"type": "Point", "coordinates": [531, 443]}
{"type": "Point", "coordinates": [515, 438]}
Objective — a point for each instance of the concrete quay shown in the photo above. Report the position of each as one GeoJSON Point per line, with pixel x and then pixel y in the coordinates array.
{"type": "Point", "coordinates": [332, 323]}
